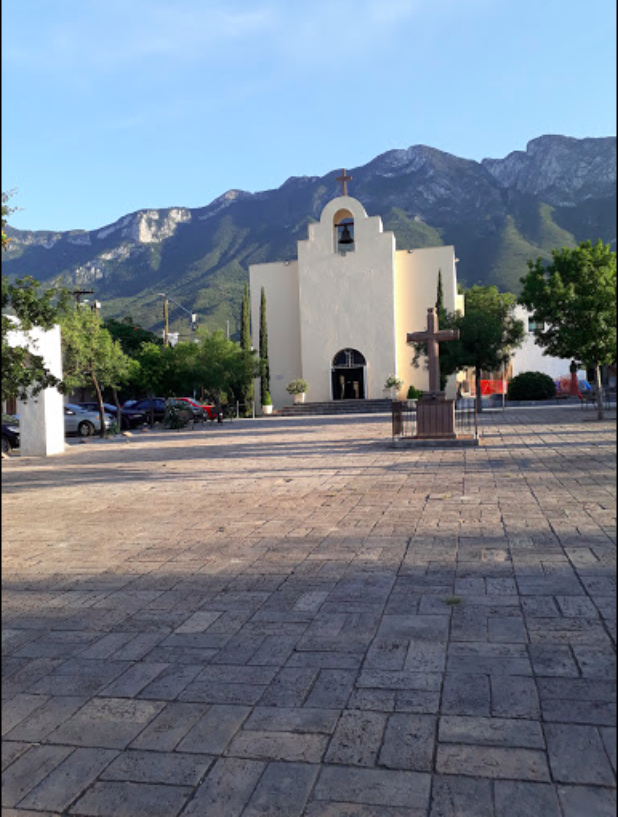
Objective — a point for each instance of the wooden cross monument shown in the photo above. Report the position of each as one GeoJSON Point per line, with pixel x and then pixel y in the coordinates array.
{"type": "Point", "coordinates": [344, 179]}
{"type": "Point", "coordinates": [432, 336]}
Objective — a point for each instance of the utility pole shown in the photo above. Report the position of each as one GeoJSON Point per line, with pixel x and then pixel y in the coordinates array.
{"type": "Point", "coordinates": [166, 336]}
{"type": "Point", "coordinates": [79, 292]}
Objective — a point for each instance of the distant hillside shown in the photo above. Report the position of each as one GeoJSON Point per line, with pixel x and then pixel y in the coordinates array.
{"type": "Point", "coordinates": [498, 213]}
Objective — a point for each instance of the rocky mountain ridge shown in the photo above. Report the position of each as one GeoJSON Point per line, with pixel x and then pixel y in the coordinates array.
{"type": "Point", "coordinates": [498, 213]}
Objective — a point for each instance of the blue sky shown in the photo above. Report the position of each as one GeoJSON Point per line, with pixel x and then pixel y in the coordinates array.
{"type": "Point", "coordinates": [116, 105]}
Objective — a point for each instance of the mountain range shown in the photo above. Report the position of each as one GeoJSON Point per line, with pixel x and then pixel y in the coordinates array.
{"type": "Point", "coordinates": [498, 213]}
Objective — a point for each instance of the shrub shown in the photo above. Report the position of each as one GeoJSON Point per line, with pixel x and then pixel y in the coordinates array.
{"type": "Point", "coordinates": [267, 399]}
{"type": "Point", "coordinates": [414, 393]}
{"type": "Point", "coordinates": [393, 382]}
{"type": "Point", "coordinates": [299, 386]}
{"type": "Point", "coordinates": [532, 386]}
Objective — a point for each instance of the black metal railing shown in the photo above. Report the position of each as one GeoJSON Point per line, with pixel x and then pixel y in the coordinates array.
{"type": "Point", "coordinates": [404, 418]}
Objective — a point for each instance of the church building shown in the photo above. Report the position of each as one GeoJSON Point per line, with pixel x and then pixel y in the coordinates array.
{"type": "Point", "coordinates": [338, 315]}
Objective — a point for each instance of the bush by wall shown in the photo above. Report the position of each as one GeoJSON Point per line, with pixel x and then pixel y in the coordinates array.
{"type": "Point", "coordinates": [532, 386]}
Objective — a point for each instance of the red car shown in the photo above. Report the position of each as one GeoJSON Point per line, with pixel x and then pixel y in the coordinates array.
{"type": "Point", "coordinates": [211, 412]}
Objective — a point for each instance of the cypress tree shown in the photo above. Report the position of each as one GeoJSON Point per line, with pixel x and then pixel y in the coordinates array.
{"type": "Point", "coordinates": [245, 344]}
{"type": "Point", "coordinates": [265, 378]}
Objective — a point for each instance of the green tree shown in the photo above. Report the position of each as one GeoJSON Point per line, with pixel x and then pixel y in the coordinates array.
{"type": "Point", "coordinates": [130, 334]}
{"type": "Point", "coordinates": [265, 372]}
{"type": "Point", "coordinates": [90, 356]}
{"type": "Point", "coordinates": [245, 343]}
{"type": "Point", "coordinates": [488, 334]}
{"type": "Point", "coordinates": [25, 306]}
{"type": "Point", "coordinates": [573, 302]}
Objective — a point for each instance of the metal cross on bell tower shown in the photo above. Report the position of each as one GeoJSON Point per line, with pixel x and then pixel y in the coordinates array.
{"type": "Point", "coordinates": [344, 179]}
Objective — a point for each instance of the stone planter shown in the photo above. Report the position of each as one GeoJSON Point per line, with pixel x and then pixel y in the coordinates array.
{"type": "Point", "coordinates": [299, 398]}
{"type": "Point", "coordinates": [267, 410]}
{"type": "Point", "coordinates": [390, 394]}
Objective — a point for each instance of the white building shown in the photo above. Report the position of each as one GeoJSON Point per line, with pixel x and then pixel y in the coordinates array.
{"type": "Point", "coordinates": [338, 316]}
{"type": "Point", "coordinates": [530, 357]}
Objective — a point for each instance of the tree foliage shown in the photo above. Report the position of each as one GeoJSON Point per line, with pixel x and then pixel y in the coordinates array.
{"type": "Point", "coordinates": [488, 333]}
{"type": "Point", "coordinates": [130, 334]}
{"type": "Point", "coordinates": [573, 303]}
{"type": "Point", "coordinates": [247, 395]}
{"type": "Point", "coordinates": [91, 357]}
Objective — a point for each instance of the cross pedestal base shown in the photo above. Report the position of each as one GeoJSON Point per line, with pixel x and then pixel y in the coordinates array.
{"type": "Point", "coordinates": [435, 419]}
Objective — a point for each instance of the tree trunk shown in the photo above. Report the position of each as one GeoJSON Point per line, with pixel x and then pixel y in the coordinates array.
{"type": "Point", "coordinates": [95, 383]}
{"type": "Point", "coordinates": [597, 372]}
{"type": "Point", "coordinates": [118, 408]}
{"type": "Point", "coordinates": [479, 395]}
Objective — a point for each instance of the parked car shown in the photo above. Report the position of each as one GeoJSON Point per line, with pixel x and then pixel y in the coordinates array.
{"type": "Point", "coordinates": [79, 421]}
{"type": "Point", "coordinates": [158, 404]}
{"type": "Point", "coordinates": [130, 417]}
{"type": "Point", "coordinates": [209, 411]}
{"type": "Point", "coordinates": [10, 433]}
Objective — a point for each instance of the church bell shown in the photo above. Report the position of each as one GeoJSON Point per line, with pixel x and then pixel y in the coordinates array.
{"type": "Point", "coordinates": [346, 237]}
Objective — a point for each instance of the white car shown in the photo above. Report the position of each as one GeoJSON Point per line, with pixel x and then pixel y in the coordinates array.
{"type": "Point", "coordinates": [85, 423]}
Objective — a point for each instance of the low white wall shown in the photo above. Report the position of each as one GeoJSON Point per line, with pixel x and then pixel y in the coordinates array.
{"type": "Point", "coordinates": [41, 418]}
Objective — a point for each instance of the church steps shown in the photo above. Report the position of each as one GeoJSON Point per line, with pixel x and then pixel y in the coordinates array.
{"type": "Point", "coordinates": [335, 407]}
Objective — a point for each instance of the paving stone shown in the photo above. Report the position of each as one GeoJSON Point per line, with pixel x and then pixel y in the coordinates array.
{"type": "Point", "coordinates": [293, 719]}
{"type": "Point", "coordinates": [491, 732]}
{"type": "Point", "coordinates": [68, 780]}
{"type": "Point", "coordinates": [584, 801]}
{"type": "Point", "coordinates": [409, 742]}
{"type": "Point", "coordinates": [577, 755]}
{"type": "Point", "coordinates": [282, 790]}
{"type": "Point", "coordinates": [133, 681]}
{"type": "Point", "coordinates": [18, 708]}
{"type": "Point", "coordinates": [609, 738]}
{"type": "Point", "coordinates": [297, 592]}
{"type": "Point", "coordinates": [454, 796]}
{"type": "Point", "coordinates": [171, 768]}
{"type": "Point", "coordinates": [331, 690]}
{"type": "Point", "coordinates": [215, 729]}
{"type": "Point", "coordinates": [227, 788]}
{"type": "Point", "coordinates": [110, 723]}
{"type": "Point", "coordinates": [129, 799]}
{"type": "Point", "coordinates": [357, 739]}
{"type": "Point", "coordinates": [595, 663]}
{"type": "Point", "coordinates": [373, 786]}
{"type": "Point", "coordinates": [36, 726]}
{"type": "Point", "coordinates": [514, 697]}
{"type": "Point", "coordinates": [11, 750]}
{"type": "Point", "coordinates": [466, 694]}
{"type": "Point", "coordinates": [288, 746]}
{"type": "Point", "coordinates": [517, 799]}
{"type": "Point", "coordinates": [321, 809]}
{"type": "Point", "coordinates": [553, 660]}
{"type": "Point", "coordinates": [28, 770]}
{"type": "Point", "coordinates": [494, 762]}
{"type": "Point", "coordinates": [169, 727]}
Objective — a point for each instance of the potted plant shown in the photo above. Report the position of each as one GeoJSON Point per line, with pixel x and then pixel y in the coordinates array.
{"type": "Point", "coordinates": [392, 387]}
{"type": "Point", "coordinates": [267, 403]}
{"type": "Point", "coordinates": [298, 389]}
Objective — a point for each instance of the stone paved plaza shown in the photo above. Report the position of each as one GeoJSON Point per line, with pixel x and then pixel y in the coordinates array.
{"type": "Point", "coordinates": [289, 617]}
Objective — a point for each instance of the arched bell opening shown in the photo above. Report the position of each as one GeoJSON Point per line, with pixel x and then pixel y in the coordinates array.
{"type": "Point", "coordinates": [349, 375]}
{"type": "Point", "coordinates": [343, 227]}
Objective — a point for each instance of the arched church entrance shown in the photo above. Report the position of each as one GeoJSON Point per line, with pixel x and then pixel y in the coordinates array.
{"type": "Point", "coordinates": [349, 375]}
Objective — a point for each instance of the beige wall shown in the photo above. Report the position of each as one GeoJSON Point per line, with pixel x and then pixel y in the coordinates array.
{"type": "Point", "coordinates": [416, 287]}
{"type": "Point", "coordinates": [347, 301]}
{"type": "Point", "coordinates": [280, 282]}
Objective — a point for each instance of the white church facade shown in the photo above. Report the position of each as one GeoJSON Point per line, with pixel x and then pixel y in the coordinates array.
{"type": "Point", "coordinates": [338, 315]}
